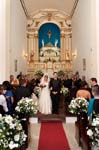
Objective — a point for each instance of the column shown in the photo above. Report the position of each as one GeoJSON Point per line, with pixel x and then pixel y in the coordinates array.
{"type": "Point", "coordinates": [28, 45]}
{"type": "Point", "coordinates": [97, 36]}
{"type": "Point", "coordinates": [62, 55]}
{"type": "Point", "coordinates": [4, 40]}
{"type": "Point", "coordinates": [66, 42]}
{"type": "Point", "coordinates": [36, 57]}
{"type": "Point", "coordinates": [33, 44]}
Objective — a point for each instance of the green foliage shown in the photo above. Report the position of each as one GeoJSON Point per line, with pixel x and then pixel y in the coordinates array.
{"type": "Point", "coordinates": [39, 73]}
{"type": "Point", "coordinates": [60, 73]}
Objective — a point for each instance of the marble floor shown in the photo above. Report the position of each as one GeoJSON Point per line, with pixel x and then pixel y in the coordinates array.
{"type": "Point", "coordinates": [69, 128]}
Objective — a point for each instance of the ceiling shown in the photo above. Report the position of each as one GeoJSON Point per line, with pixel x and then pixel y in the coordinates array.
{"type": "Point", "coordinates": [31, 6]}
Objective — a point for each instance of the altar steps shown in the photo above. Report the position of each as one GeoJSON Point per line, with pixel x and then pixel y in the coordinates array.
{"type": "Point", "coordinates": [51, 117]}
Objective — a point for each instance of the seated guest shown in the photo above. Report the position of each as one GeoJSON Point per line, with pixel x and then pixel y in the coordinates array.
{"type": "Point", "coordinates": [94, 102]}
{"type": "Point", "coordinates": [3, 103]}
{"type": "Point", "coordinates": [83, 91]}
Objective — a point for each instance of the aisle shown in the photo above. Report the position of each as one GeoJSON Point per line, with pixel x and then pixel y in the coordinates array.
{"type": "Point", "coordinates": [34, 134]}
{"type": "Point", "coordinates": [52, 137]}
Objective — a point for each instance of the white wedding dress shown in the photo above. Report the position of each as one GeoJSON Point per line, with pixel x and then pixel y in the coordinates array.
{"type": "Point", "coordinates": [45, 103]}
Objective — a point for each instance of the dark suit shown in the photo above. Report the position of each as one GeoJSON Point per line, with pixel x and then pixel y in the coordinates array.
{"type": "Point", "coordinates": [21, 92]}
{"type": "Point", "coordinates": [55, 86]}
{"type": "Point", "coordinates": [96, 106]}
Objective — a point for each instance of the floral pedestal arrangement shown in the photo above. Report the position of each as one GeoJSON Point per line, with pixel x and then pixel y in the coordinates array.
{"type": "Point", "coordinates": [85, 141]}
{"type": "Point", "coordinates": [80, 129]}
{"type": "Point", "coordinates": [23, 147]}
{"type": "Point", "coordinates": [25, 122]}
{"type": "Point", "coordinates": [26, 108]}
{"type": "Point", "coordinates": [77, 133]}
{"type": "Point", "coordinates": [93, 133]}
{"type": "Point", "coordinates": [79, 107]}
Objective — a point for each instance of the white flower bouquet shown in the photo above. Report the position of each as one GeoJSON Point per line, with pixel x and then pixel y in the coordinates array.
{"type": "Point", "coordinates": [11, 133]}
{"type": "Point", "coordinates": [27, 107]}
{"type": "Point", "coordinates": [78, 105]}
{"type": "Point", "coordinates": [93, 132]}
{"type": "Point", "coordinates": [64, 91]}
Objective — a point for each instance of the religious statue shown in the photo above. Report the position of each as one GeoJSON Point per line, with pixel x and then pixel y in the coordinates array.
{"type": "Point", "coordinates": [56, 42]}
{"type": "Point", "coordinates": [42, 43]}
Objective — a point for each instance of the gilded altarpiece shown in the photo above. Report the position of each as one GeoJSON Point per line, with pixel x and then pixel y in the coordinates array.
{"type": "Point", "coordinates": [49, 43]}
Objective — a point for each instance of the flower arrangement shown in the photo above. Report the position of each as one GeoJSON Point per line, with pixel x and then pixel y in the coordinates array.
{"type": "Point", "coordinates": [11, 133]}
{"type": "Point", "coordinates": [39, 73]}
{"type": "Point", "coordinates": [93, 132]}
{"type": "Point", "coordinates": [37, 91]}
{"type": "Point", "coordinates": [27, 107]}
{"type": "Point", "coordinates": [60, 73]}
{"type": "Point", "coordinates": [64, 90]}
{"type": "Point", "coordinates": [78, 105]}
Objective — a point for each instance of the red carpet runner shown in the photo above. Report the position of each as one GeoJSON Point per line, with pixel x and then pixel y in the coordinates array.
{"type": "Point", "coordinates": [52, 137]}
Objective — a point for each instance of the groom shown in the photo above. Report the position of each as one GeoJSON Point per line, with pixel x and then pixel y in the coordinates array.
{"type": "Point", "coordinates": [55, 86]}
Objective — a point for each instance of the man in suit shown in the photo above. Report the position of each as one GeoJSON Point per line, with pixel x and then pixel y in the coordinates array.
{"type": "Point", "coordinates": [93, 82]}
{"type": "Point", "coordinates": [55, 87]}
{"type": "Point", "coordinates": [22, 91]}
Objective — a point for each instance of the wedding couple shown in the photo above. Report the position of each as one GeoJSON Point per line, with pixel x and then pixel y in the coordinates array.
{"type": "Point", "coordinates": [50, 94]}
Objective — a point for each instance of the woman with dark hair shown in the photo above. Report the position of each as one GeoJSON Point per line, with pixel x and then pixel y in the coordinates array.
{"type": "Point", "coordinates": [8, 85]}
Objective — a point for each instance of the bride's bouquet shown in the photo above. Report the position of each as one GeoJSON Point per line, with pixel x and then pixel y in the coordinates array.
{"type": "Point", "coordinates": [42, 85]}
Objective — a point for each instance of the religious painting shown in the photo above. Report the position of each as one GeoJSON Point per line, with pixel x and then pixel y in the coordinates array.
{"type": "Point", "coordinates": [84, 64]}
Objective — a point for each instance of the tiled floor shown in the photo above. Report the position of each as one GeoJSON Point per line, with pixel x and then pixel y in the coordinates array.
{"type": "Point", "coordinates": [34, 130]}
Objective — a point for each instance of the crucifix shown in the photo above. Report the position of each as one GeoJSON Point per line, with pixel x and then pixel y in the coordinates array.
{"type": "Point", "coordinates": [49, 33]}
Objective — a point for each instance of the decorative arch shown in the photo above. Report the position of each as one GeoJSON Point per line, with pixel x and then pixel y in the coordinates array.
{"type": "Point", "coordinates": [49, 34]}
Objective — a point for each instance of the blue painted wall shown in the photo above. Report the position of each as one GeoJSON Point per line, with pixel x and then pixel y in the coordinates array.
{"type": "Point", "coordinates": [43, 34]}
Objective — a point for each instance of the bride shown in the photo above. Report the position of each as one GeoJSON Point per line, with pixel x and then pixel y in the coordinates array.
{"type": "Point", "coordinates": [45, 103]}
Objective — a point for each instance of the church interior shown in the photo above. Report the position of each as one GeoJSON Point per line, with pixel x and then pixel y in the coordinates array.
{"type": "Point", "coordinates": [51, 36]}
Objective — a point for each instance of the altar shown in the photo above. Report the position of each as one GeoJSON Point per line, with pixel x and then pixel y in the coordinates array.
{"type": "Point", "coordinates": [49, 53]}
{"type": "Point", "coordinates": [49, 67]}
{"type": "Point", "coordinates": [49, 46]}
{"type": "Point", "coordinates": [50, 60]}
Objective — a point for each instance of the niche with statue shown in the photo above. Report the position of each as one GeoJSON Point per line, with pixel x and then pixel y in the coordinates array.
{"type": "Point", "coordinates": [49, 43]}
